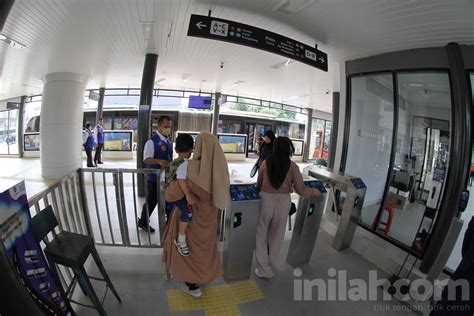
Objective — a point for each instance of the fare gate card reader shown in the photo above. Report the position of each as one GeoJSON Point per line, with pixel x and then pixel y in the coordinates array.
{"type": "Point", "coordinates": [240, 230]}
{"type": "Point", "coordinates": [355, 189]}
{"type": "Point", "coordinates": [307, 223]}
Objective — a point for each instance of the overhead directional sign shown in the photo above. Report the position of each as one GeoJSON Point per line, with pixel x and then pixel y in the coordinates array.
{"type": "Point", "coordinates": [243, 34]}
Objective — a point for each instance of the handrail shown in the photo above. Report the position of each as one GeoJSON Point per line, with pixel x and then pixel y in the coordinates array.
{"type": "Point", "coordinates": [38, 196]}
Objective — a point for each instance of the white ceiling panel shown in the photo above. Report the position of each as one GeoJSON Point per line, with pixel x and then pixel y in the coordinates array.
{"type": "Point", "coordinates": [108, 40]}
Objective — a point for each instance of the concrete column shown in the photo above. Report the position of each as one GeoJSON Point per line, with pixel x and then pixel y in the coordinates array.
{"type": "Point", "coordinates": [215, 113]}
{"type": "Point", "coordinates": [144, 115]}
{"type": "Point", "coordinates": [308, 132]}
{"type": "Point", "coordinates": [100, 105]}
{"type": "Point", "coordinates": [61, 123]}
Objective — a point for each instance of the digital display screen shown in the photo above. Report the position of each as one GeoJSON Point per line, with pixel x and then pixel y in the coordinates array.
{"type": "Point", "coordinates": [358, 183]}
{"type": "Point", "coordinates": [232, 144]}
{"type": "Point", "coordinates": [244, 192]}
{"type": "Point", "coordinates": [32, 142]}
{"type": "Point", "coordinates": [199, 102]}
{"type": "Point", "coordinates": [315, 184]}
{"type": "Point", "coordinates": [118, 141]}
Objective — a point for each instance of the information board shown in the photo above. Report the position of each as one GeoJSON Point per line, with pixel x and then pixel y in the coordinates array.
{"type": "Point", "coordinates": [243, 34]}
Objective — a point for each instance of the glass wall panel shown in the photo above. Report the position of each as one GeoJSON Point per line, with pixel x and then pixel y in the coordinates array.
{"type": "Point", "coordinates": [327, 139]}
{"type": "Point", "coordinates": [370, 137]}
{"type": "Point", "coordinates": [4, 132]}
{"type": "Point", "coordinates": [32, 116]}
{"type": "Point", "coordinates": [421, 159]}
{"type": "Point", "coordinates": [8, 132]}
{"type": "Point", "coordinates": [321, 132]}
{"type": "Point", "coordinates": [13, 139]}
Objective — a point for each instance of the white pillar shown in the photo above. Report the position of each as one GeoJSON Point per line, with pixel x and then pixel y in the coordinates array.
{"type": "Point", "coordinates": [61, 123]}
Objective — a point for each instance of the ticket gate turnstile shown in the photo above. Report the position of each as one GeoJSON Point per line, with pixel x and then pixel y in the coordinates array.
{"type": "Point", "coordinates": [240, 230]}
{"type": "Point", "coordinates": [355, 190]}
{"type": "Point", "coordinates": [307, 223]}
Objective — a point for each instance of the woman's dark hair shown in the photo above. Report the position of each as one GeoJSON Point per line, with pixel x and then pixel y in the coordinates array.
{"type": "Point", "coordinates": [278, 164]}
{"type": "Point", "coordinates": [270, 134]}
{"type": "Point", "coordinates": [88, 125]}
{"type": "Point", "coordinates": [184, 143]}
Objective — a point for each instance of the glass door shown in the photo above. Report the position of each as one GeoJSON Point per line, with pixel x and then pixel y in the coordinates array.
{"type": "Point", "coordinates": [421, 158]}
{"type": "Point", "coordinates": [370, 138]}
{"type": "Point", "coordinates": [8, 132]}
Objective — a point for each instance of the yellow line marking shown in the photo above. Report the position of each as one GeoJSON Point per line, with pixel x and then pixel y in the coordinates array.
{"type": "Point", "coordinates": [216, 300]}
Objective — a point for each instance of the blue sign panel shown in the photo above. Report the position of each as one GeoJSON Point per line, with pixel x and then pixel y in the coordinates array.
{"type": "Point", "coordinates": [26, 255]}
{"type": "Point", "coordinates": [244, 192]}
{"type": "Point", "coordinates": [358, 183]}
{"type": "Point", "coordinates": [315, 184]}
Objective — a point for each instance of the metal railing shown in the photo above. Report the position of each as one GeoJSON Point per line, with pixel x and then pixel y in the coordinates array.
{"type": "Point", "coordinates": [114, 206]}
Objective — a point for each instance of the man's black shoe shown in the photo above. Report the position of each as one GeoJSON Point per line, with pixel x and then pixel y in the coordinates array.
{"type": "Point", "coordinates": [144, 226]}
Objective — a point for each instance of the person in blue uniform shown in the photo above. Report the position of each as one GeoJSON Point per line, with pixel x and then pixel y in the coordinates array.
{"type": "Point", "coordinates": [158, 153]}
{"type": "Point", "coordinates": [99, 140]}
{"type": "Point", "coordinates": [88, 142]}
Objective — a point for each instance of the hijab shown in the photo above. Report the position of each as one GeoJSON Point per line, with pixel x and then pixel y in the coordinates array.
{"type": "Point", "coordinates": [208, 169]}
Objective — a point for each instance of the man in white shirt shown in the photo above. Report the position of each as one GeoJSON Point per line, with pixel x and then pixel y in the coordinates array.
{"type": "Point", "coordinates": [158, 153]}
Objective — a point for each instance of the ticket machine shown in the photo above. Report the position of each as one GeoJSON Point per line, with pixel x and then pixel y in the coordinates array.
{"type": "Point", "coordinates": [355, 190]}
{"type": "Point", "coordinates": [240, 229]}
{"type": "Point", "coordinates": [308, 219]}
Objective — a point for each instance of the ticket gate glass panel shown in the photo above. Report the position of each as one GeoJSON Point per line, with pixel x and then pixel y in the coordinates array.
{"type": "Point", "coordinates": [307, 223]}
{"type": "Point", "coordinates": [355, 190]}
{"type": "Point", "coordinates": [240, 230]}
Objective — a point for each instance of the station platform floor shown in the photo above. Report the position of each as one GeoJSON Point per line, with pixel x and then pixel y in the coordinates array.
{"type": "Point", "coordinates": [139, 275]}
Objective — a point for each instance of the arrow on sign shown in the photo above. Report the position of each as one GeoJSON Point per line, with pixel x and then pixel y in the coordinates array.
{"type": "Point", "coordinates": [199, 25]}
{"type": "Point", "coordinates": [322, 60]}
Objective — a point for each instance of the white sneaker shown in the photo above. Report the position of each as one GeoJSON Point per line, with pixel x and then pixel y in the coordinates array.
{"type": "Point", "coordinates": [196, 292]}
{"type": "Point", "coordinates": [258, 273]}
{"type": "Point", "coordinates": [182, 248]}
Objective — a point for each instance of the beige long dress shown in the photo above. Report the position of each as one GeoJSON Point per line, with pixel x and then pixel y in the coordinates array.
{"type": "Point", "coordinates": [208, 179]}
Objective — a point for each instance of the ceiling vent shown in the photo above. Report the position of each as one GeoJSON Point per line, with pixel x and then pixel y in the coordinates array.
{"type": "Point", "coordinates": [290, 7]}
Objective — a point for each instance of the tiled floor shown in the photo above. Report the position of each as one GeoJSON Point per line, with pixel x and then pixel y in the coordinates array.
{"type": "Point", "coordinates": [139, 277]}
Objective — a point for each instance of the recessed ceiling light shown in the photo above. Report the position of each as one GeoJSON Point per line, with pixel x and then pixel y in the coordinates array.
{"type": "Point", "coordinates": [2, 37]}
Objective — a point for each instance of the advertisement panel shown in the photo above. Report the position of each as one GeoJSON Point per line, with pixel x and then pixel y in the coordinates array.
{"type": "Point", "coordinates": [26, 255]}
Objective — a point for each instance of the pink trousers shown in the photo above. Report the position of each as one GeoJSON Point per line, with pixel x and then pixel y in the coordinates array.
{"type": "Point", "coordinates": [271, 227]}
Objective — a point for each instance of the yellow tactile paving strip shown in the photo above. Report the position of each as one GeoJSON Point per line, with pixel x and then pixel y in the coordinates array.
{"type": "Point", "coordinates": [216, 300]}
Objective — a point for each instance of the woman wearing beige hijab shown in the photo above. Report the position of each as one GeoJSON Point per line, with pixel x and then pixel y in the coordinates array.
{"type": "Point", "coordinates": [208, 180]}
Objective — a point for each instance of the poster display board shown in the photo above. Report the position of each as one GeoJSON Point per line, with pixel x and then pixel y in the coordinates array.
{"type": "Point", "coordinates": [25, 253]}
{"type": "Point", "coordinates": [299, 145]}
{"type": "Point", "coordinates": [233, 145]}
{"type": "Point", "coordinates": [31, 142]}
{"type": "Point", "coordinates": [118, 140]}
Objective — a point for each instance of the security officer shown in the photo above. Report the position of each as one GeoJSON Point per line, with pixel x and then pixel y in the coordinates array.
{"type": "Point", "coordinates": [88, 143]}
{"type": "Point", "coordinates": [158, 153]}
{"type": "Point", "coordinates": [99, 140]}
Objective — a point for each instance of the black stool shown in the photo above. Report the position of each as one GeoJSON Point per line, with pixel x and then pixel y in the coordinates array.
{"type": "Point", "coordinates": [71, 250]}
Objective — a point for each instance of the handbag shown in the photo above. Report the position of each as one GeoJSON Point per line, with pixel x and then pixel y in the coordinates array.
{"type": "Point", "coordinates": [255, 168]}
{"type": "Point", "coordinates": [292, 209]}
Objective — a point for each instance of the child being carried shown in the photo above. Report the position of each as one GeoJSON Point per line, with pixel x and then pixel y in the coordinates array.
{"type": "Point", "coordinates": [177, 171]}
